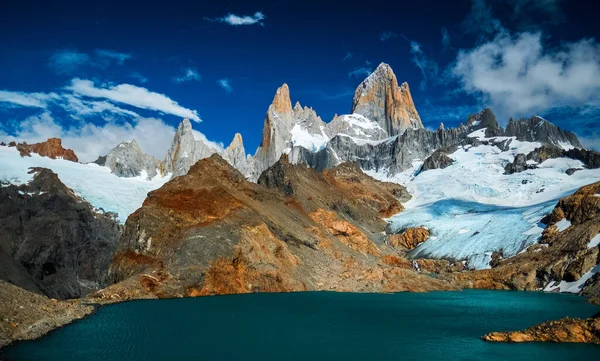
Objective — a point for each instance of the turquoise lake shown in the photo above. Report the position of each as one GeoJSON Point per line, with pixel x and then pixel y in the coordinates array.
{"type": "Point", "coordinates": [314, 326]}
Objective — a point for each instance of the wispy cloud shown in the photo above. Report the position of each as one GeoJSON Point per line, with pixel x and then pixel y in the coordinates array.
{"type": "Point", "coordinates": [348, 56]}
{"type": "Point", "coordinates": [225, 84]}
{"type": "Point", "coordinates": [237, 20]}
{"type": "Point", "coordinates": [139, 77]}
{"type": "Point", "coordinates": [187, 74]}
{"type": "Point", "coordinates": [132, 95]}
{"type": "Point", "coordinates": [387, 35]}
{"type": "Point", "coordinates": [445, 39]}
{"type": "Point", "coordinates": [68, 61]}
{"type": "Point", "coordinates": [427, 66]}
{"type": "Point", "coordinates": [113, 55]}
{"type": "Point", "coordinates": [362, 71]}
{"type": "Point", "coordinates": [35, 100]}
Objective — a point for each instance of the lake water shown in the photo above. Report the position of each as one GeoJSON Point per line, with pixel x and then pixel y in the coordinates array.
{"type": "Point", "coordinates": [314, 326]}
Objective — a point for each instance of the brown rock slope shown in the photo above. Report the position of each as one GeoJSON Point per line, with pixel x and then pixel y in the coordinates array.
{"type": "Point", "coordinates": [213, 232]}
{"type": "Point", "coordinates": [52, 148]}
{"type": "Point", "coordinates": [560, 256]}
{"type": "Point", "coordinates": [26, 315]}
{"type": "Point", "coordinates": [563, 330]}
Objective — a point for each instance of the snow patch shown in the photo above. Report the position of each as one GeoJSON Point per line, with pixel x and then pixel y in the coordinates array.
{"type": "Point", "coordinates": [313, 142]}
{"type": "Point", "coordinates": [563, 224]}
{"type": "Point", "coordinates": [575, 286]}
{"type": "Point", "coordinates": [594, 242]}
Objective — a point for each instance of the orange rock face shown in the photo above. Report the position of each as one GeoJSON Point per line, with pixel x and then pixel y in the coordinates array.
{"type": "Point", "coordinates": [410, 238]}
{"type": "Point", "coordinates": [345, 232]}
{"type": "Point", "coordinates": [52, 148]}
{"type": "Point", "coordinates": [380, 99]}
{"type": "Point", "coordinates": [563, 330]}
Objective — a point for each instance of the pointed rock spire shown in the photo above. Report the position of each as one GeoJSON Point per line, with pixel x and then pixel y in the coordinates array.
{"type": "Point", "coordinates": [185, 150]}
{"type": "Point", "coordinates": [282, 102]}
{"type": "Point", "coordinates": [380, 99]}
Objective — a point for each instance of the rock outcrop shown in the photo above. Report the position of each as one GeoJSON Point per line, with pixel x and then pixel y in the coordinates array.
{"type": "Point", "coordinates": [380, 99]}
{"type": "Point", "coordinates": [563, 330]}
{"type": "Point", "coordinates": [52, 148]}
{"type": "Point", "coordinates": [438, 160]}
{"type": "Point", "coordinates": [409, 238]}
{"type": "Point", "coordinates": [53, 242]}
{"type": "Point", "coordinates": [128, 160]}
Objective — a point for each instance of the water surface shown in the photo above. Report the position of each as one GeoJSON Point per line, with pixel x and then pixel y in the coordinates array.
{"type": "Point", "coordinates": [314, 326]}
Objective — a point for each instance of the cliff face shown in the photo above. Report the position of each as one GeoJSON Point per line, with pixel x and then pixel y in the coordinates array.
{"type": "Point", "coordinates": [213, 232]}
{"type": "Point", "coordinates": [53, 242]}
{"type": "Point", "coordinates": [380, 99]}
{"type": "Point", "coordinates": [52, 148]}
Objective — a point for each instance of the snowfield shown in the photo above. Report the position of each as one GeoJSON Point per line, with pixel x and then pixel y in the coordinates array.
{"type": "Point", "coordinates": [501, 212]}
{"type": "Point", "coordinates": [94, 183]}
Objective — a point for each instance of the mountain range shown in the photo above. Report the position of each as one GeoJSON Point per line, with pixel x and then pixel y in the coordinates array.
{"type": "Point", "coordinates": [368, 202]}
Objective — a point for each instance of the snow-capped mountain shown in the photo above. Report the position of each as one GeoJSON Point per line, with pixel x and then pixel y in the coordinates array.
{"type": "Point", "coordinates": [468, 183]}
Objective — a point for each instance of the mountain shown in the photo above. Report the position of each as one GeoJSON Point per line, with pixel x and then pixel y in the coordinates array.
{"type": "Point", "coordinates": [380, 99]}
{"type": "Point", "coordinates": [128, 160]}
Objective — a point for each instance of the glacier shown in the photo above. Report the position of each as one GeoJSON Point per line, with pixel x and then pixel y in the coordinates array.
{"type": "Point", "coordinates": [473, 209]}
{"type": "Point", "coordinates": [94, 183]}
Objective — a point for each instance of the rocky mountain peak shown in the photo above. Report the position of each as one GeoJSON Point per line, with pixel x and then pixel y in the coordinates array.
{"type": "Point", "coordinates": [128, 160]}
{"type": "Point", "coordinates": [380, 99]}
{"type": "Point", "coordinates": [282, 102]}
{"type": "Point", "coordinates": [185, 150]}
{"type": "Point", "coordinates": [237, 142]}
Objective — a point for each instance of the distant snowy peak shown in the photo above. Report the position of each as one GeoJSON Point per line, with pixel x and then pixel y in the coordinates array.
{"type": "Point", "coordinates": [128, 160]}
{"type": "Point", "coordinates": [381, 99]}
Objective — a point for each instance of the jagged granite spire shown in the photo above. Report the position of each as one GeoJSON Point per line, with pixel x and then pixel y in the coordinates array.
{"type": "Point", "coordinates": [380, 99]}
{"type": "Point", "coordinates": [185, 150]}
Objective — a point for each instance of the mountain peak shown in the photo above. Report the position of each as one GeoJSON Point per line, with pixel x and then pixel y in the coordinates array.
{"type": "Point", "coordinates": [236, 142]}
{"type": "Point", "coordinates": [380, 99]}
{"type": "Point", "coordinates": [282, 102]}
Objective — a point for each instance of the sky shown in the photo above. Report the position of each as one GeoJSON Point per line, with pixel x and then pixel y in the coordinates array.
{"type": "Point", "coordinates": [97, 73]}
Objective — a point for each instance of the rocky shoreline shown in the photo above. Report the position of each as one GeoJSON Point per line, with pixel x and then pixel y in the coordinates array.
{"type": "Point", "coordinates": [572, 330]}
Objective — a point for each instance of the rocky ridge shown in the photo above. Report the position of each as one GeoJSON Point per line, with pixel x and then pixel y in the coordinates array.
{"type": "Point", "coordinates": [52, 148]}
{"type": "Point", "coordinates": [52, 241]}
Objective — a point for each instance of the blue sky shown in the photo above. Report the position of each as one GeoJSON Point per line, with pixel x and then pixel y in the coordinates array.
{"type": "Point", "coordinates": [101, 72]}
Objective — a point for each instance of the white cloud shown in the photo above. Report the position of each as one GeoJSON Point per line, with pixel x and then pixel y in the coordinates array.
{"type": "Point", "coordinates": [187, 74]}
{"type": "Point", "coordinates": [236, 20]}
{"type": "Point", "coordinates": [224, 83]}
{"type": "Point", "coordinates": [348, 56]}
{"type": "Point", "coordinates": [77, 108]}
{"type": "Point", "coordinates": [90, 141]}
{"type": "Point", "coordinates": [387, 35]}
{"type": "Point", "coordinates": [132, 95]}
{"type": "Point", "coordinates": [35, 100]}
{"type": "Point", "coordinates": [517, 75]}
{"type": "Point", "coordinates": [113, 55]}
